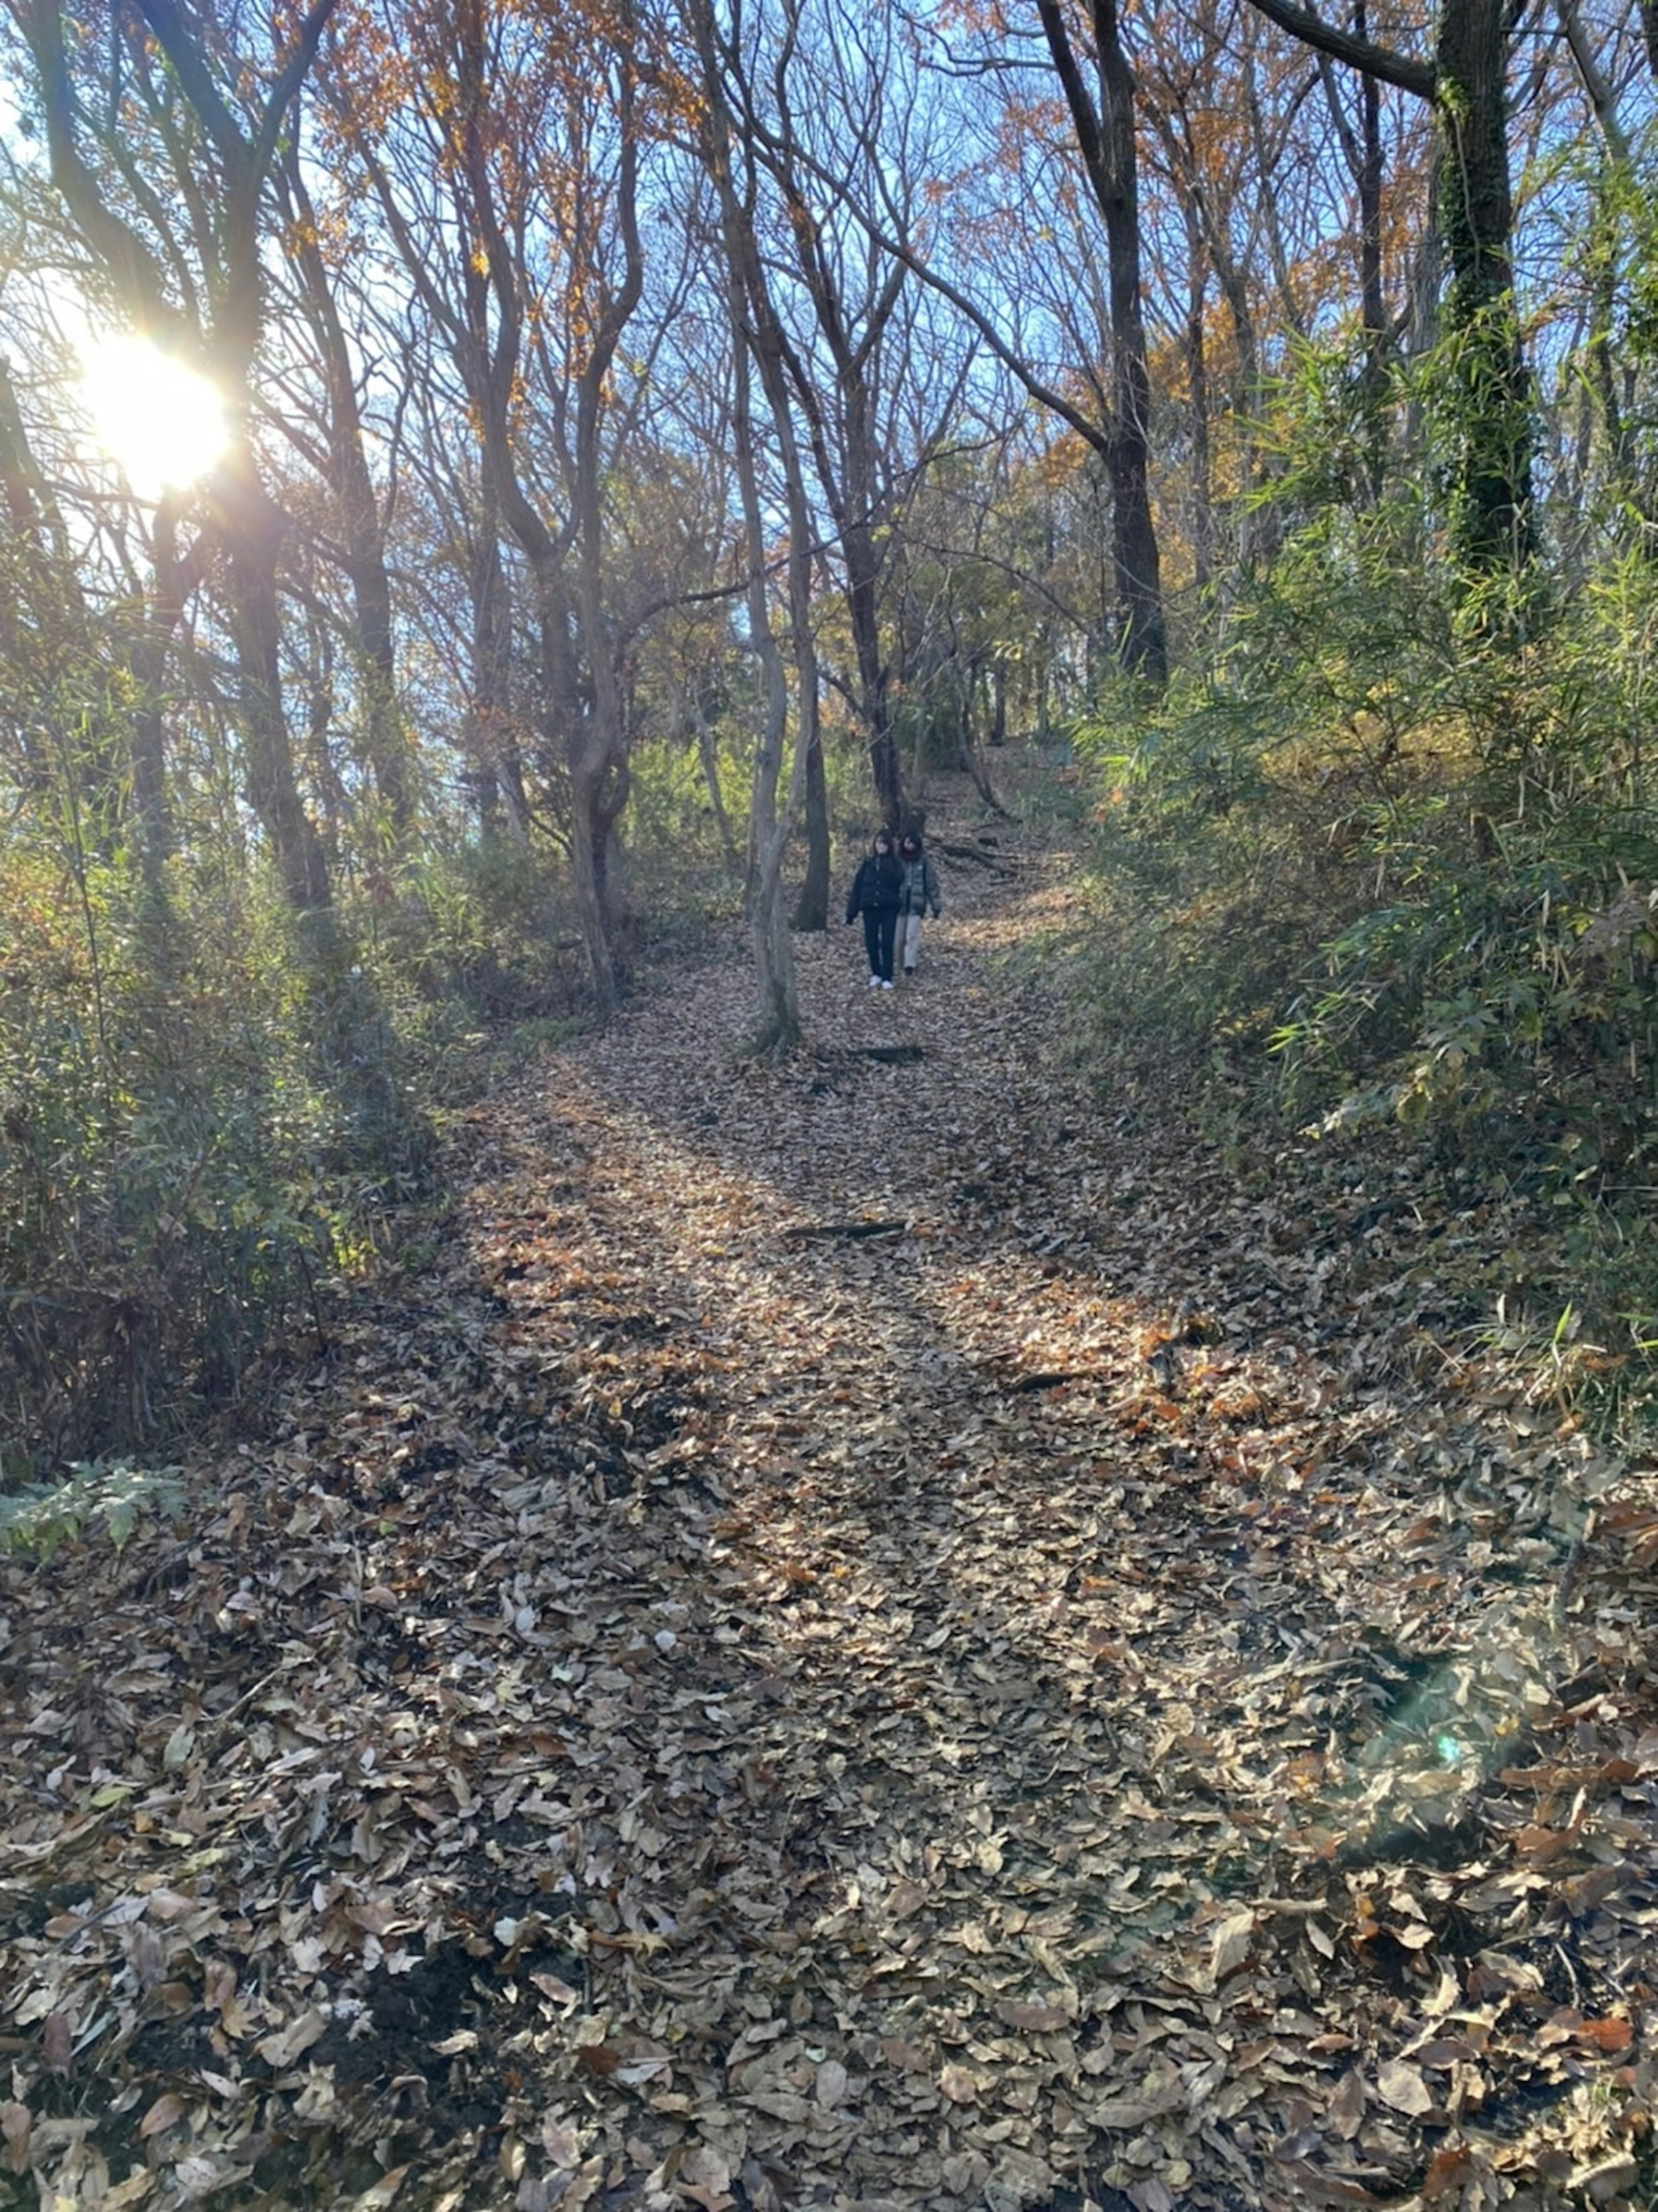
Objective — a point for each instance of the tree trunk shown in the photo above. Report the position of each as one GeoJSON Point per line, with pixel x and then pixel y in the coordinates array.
{"type": "Point", "coordinates": [708, 755]}
{"type": "Point", "coordinates": [588, 858]}
{"type": "Point", "coordinates": [777, 1005]}
{"type": "Point", "coordinates": [383, 739]}
{"type": "Point", "coordinates": [564, 716]}
{"type": "Point", "coordinates": [1107, 141]}
{"type": "Point", "coordinates": [1373, 303]}
{"type": "Point", "coordinates": [1492, 422]}
{"type": "Point", "coordinates": [251, 523]}
{"type": "Point", "coordinates": [811, 907]}
{"type": "Point", "coordinates": [1197, 401]}
{"type": "Point", "coordinates": [597, 763]}
{"type": "Point", "coordinates": [251, 526]}
{"type": "Point", "coordinates": [55, 632]}
{"type": "Point", "coordinates": [758, 337]}
{"type": "Point", "coordinates": [159, 626]}
{"type": "Point", "coordinates": [1494, 428]}
{"type": "Point", "coordinates": [862, 609]}
{"type": "Point", "coordinates": [489, 731]}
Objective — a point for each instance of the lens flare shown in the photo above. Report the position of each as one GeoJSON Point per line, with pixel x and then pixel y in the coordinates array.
{"type": "Point", "coordinates": [160, 423]}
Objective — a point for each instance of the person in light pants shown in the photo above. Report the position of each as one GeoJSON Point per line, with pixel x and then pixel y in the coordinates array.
{"type": "Point", "coordinates": [919, 897]}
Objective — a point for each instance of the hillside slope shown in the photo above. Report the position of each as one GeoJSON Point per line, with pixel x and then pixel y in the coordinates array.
{"type": "Point", "coordinates": [870, 1631]}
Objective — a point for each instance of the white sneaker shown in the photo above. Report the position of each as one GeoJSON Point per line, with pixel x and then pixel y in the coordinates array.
{"type": "Point", "coordinates": [886, 984]}
{"type": "Point", "coordinates": [874, 982]}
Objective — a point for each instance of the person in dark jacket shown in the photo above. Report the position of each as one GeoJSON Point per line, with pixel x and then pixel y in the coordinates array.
{"type": "Point", "coordinates": [919, 896]}
{"type": "Point", "coordinates": [874, 894]}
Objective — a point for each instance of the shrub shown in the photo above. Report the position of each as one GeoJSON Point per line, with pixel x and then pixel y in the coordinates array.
{"type": "Point", "coordinates": [1387, 866]}
{"type": "Point", "coordinates": [201, 1126]}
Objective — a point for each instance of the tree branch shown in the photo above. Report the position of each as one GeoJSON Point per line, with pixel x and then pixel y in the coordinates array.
{"type": "Point", "coordinates": [132, 268]}
{"type": "Point", "coordinates": [1419, 77]}
{"type": "Point", "coordinates": [1602, 98]}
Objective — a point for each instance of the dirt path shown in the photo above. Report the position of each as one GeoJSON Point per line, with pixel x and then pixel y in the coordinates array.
{"type": "Point", "coordinates": [715, 1698]}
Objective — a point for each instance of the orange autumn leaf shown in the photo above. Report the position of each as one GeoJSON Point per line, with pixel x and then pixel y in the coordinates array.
{"type": "Point", "coordinates": [1538, 1846]}
{"type": "Point", "coordinates": [1446, 2170]}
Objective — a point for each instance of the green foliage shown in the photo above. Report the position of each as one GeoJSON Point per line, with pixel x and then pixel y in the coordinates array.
{"type": "Point", "coordinates": [1401, 847]}
{"type": "Point", "coordinates": [481, 930]}
{"type": "Point", "coordinates": [673, 872]}
{"type": "Point", "coordinates": [1502, 980]}
{"type": "Point", "coordinates": [212, 1109]}
{"type": "Point", "coordinates": [670, 805]}
{"type": "Point", "coordinates": [202, 1124]}
{"type": "Point", "coordinates": [1213, 810]}
{"type": "Point", "coordinates": [37, 1518]}
{"type": "Point", "coordinates": [1323, 428]}
{"type": "Point", "coordinates": [929, 724]}
{"type": "Point", "coordinates": [1388, 865]}
{"type": "Point", "coordinates": [846, 777]}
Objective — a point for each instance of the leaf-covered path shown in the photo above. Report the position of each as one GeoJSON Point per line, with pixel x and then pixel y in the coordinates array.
{"type": "Point", "coordinates": [864, 1632]}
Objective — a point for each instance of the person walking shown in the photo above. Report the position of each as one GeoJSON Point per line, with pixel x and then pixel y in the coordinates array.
{"type": "Point", "coordinates": [874, 894]}
{"type": "Point", "coordinates": [918, 896]}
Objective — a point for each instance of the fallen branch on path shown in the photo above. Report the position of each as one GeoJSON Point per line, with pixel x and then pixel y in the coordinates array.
{"type": "Point", "coordinates": [980, 856]}
{"type": "Point", "coordinates": [805, 1229]}
{"type": "Point", "coordinates": [1045, 1378]}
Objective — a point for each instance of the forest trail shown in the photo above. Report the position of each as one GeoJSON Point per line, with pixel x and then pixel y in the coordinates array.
{"type": "Point", "coordinates": [864, 1634]}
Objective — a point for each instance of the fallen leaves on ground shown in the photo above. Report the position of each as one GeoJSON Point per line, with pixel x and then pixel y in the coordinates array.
{"type": "Point", "coordinates": [1052, 1699]}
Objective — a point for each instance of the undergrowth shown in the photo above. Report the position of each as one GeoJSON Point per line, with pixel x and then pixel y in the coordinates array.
{"type": "Point", "coordinates": [203, 1126]}
{"type": "Point", "coordinates": [1374, 875]}
{"type": "Point", "coordinates": [37, 1517]}
{"type": "Point", "coordinates": [217, 1113]}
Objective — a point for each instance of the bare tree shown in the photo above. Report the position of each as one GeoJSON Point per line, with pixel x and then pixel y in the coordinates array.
{"type": "Point", "coordinates": [511, 197]}
{"type": "Point", "coordinates": [180, 259]}
{"type": "Point", "coordinates": [360, 506]}
{"type": "Point", "coordinates": [759, 339]}
{"type": "Point", "coordinates": [1106, 138]}
{"type": "Point", "coordinates": [834, 129]}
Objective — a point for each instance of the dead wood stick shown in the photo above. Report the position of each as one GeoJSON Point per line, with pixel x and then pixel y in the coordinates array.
{"type": "Point", "coordinates": [846, 1228]}
{"type": "Point", "coordinates": [980, 856]}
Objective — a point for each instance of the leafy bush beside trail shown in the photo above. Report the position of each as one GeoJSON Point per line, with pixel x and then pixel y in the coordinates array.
{"type": "Point", "coordinates": [1377, 870]}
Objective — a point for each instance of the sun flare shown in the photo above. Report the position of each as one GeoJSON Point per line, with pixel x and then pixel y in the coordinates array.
{"type": "Point", "coordinates": [160, 423]}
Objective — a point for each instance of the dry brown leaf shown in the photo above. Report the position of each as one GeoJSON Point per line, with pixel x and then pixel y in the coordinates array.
{"type": "Point", "coordinates": [1033, 2019]}
{"type": "Point", "coordinates": [829, 2086]}
{"type": "Point", "coordinates": [166, 2110]}
{"type": "Point", "coordinates": [1120, 2113]}
{"type": "Point", "coordinates": [17, 2125]}
{"type": "Point", "coordinates": [1230, 1944]}
{"type": "Point", "coordinates": [1446, 2170]}
{"type": "Point", "coordinates": [280, 2048]}
{"type": "Point", "coordinates": [1348, 2106]}
{"type": "Point", "coordinates": [383, 2192]}
{"type": "Point", "coordinates": [1403, 2087]}
{"type": "Point", "coordinates": [844, 1734]}
{"type": "Point", "coordinates": [58, 2040]}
